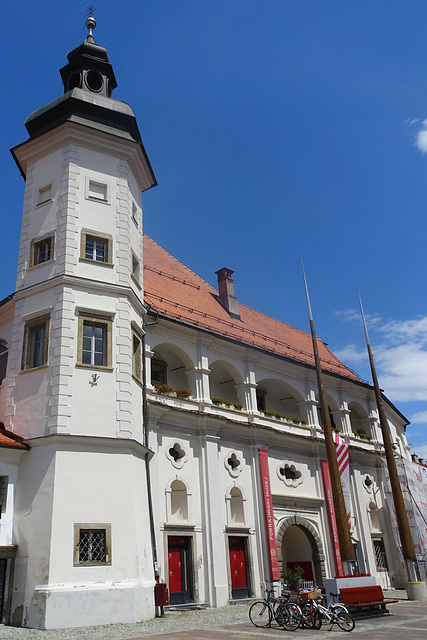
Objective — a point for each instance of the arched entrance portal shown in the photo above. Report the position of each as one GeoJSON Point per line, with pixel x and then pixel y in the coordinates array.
{"type": "Point", "coordinates": [299, 543]}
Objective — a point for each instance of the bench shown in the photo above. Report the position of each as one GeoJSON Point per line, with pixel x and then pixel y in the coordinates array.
{"type": "Point", "coordinates": [365, 599]}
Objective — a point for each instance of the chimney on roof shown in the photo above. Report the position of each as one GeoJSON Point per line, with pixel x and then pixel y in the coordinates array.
{"type": "Point", "coordinates": [414, 457]}
{"type": "Point", "coordinates": [226, 292]}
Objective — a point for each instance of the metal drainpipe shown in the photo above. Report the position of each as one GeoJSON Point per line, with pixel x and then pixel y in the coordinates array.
{"type": "Point", "coordinates": [147, 461]}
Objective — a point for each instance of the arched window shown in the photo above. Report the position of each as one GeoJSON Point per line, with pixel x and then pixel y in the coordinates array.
{"type": "Point", "coordinates": [179, 503]}
{"type": "Point", "coordinates": [375, 521]}
{"type": "Point", "coordinates": [237, 514]}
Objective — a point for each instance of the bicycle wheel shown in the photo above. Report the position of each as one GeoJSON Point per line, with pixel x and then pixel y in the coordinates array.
{"type": "Point", "coordinates": [344, 621]}
{"type": "Point", "coordinates": [260, 614]}
{"type": "Point", "coordinates": [290, 616]}
{"type": "Point", "coordinates": [318, 619]}
{"type": "Point", "coordinates": [308, 612]}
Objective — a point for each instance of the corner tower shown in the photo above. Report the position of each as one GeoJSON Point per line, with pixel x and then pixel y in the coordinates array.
{"type": "Point", "coordinates": [75, 383]}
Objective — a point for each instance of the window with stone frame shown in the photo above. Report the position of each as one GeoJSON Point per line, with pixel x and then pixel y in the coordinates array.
{"type": "Point", "coordinates": [4, 481]}
{"type": "Point", "coordinates": [94, 342]}
{"type": "Point", "coordinates": [380, 554]}
{"type": "Point", "coordinates": [136, 356]}
{"type": "Point", "coordinates": [4, 353]}
{"type": "Point", "coordinates": [96, 247]}
{"type": "Point", "coordinates": [35, 347]}
{"type": "Point", "coordinates": [41, 251]}
{"type": "Point", "coordinates": [92, 544]}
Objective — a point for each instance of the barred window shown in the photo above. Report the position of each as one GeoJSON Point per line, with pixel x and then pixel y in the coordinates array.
{"type": "Point", "coordinates": [380, 554]}
{"type": "Point", "coordinates": [92, 544]}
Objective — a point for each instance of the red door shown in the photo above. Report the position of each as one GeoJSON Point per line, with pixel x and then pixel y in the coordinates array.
{"type": "Point", "coordinates": [179, 569]}
{"type": "Point", "coordinates": [239, 584]}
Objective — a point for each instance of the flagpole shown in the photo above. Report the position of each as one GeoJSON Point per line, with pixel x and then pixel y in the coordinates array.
{"type": "Point", "coordinates": [399, 505]}
{"type": "Point", "coordinates": [344, 537]}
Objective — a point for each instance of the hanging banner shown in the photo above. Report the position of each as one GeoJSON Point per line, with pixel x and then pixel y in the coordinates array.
{"type": "Point", "coordinates": [269, 517]}
{"type": "Point", "coordinates": [343, 460]}
{"type": "Point", "coordinates": [331, 516]}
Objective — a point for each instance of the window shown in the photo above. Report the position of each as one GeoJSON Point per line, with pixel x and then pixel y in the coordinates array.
{"type": "Point", "coordinates": [135, 268]}
{"type": "Point", "coordinates": [179, 503]}
{"type": "Point", "coordinates": [136, 356]}
{"type": "Point", "coordinates": [158, 372]}
{"type": "Point", "coordinates": [41, 251]}
{"type": "Point", "coordinates": [44, 194]}
{"type": "Point", "coordinates": [94, 342]}
{"type": "Point", "coordinates": [35, 348]}
{"type": "Point", "coordinates": [4, 480]}
{"type": "Point", "coordinates": [380, 554]}
{"type": "Point", "coordinates": [134, 213]}
{"type": "Point", "coordinates": [96, 247]}
{"type": "Point", "coordinates": [92, 544]}
{"type": "Point", "coordinates": [97, 191]}
{"type": "Point", "coordinates": [3, 359]}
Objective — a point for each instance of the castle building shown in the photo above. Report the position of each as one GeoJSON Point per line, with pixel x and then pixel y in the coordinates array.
{"type": "Point", "coordinates": [137, 401]}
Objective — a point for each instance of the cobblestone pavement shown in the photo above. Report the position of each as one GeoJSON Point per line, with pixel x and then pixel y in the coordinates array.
{"type": "Point", "coordinates": [233, 621]}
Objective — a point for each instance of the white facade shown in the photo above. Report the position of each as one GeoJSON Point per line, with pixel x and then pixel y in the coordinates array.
{"type": "Point", "coordinates": [76, 532]}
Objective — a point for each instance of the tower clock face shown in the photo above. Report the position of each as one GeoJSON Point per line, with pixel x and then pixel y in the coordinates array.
{"type": "Point", "coordinates": [94, 80]}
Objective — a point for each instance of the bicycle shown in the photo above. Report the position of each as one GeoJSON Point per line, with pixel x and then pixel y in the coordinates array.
{"type": "Point", "coordinates": [314, 614]}
{"type": "Point", "coordinates": [287, 614]}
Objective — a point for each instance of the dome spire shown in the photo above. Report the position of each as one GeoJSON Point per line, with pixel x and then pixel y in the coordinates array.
{"type": "Point", "coordinates": [90, 24]}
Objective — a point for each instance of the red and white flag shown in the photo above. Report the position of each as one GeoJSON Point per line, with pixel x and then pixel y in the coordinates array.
{"type": "Point", "coordinates": [343, 460]}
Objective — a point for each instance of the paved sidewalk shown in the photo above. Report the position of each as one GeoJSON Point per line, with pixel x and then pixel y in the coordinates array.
{"type": "Point", "coordinates": [407, 619]}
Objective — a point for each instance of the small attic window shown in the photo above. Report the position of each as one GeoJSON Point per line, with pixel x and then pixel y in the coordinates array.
{"type": "Point", "coordinates": [44, 194]}
{"type": "Point", "coordinates": [97, 191]}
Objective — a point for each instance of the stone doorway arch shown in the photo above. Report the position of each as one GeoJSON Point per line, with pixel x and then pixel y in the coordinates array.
{"type": "Point", "coordinates": [314, 540]}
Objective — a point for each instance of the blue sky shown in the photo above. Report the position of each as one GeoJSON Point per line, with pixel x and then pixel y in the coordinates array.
{"type": "Point", "coordinates": [277, 130]}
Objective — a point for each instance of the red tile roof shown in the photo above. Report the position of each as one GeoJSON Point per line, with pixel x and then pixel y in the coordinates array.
{"type": "Point", "coordinates": [10, 439]}
{"type": "Point", "coordinates": [173, 290]}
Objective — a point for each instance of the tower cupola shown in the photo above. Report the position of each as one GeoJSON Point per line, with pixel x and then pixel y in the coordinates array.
{"type": "Point", "coordinates": [88, 67]}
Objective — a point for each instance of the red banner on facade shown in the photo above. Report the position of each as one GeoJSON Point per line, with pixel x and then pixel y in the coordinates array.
{"type": "Point", "coordinates": [269, 518]}
{"type": "Point", "coordinates": [331, 516]}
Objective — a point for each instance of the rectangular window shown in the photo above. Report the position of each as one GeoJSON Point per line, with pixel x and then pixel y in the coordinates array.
{"type": "Point", "coordinates": [135, 268]}
{"type": "Point", "coordinates": [380, 554]}
{"type": "Point", "coordinates": [158, 372]}
{"type": "Point", "coordinates": [94, 342]}
{"type": "Point", "coordinates": [35, 343]}
{"type": "Point", "coordinates": [96, 247]}
{"type": "Point", "coordinates": [44, 194]}
{"type": "Point", "coordinates": [4, 480]}
{"type": "Point", "coordinates": [134, 213]}
{"type": "Point", "coordinates": [92, 544]}
{"type": "Point", "coordinates": [136, 356]}
{"type": "Point", "coordinates": [41, 251]}
{"type": "Point", "coordinates": [97, 191]}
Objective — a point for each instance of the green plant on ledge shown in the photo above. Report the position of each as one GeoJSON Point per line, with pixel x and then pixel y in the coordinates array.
{"type": "Point", "coordinates": [364, 436]}
{"type": "Point", "coordinates": [236, 405]}
{"type": "Point", "coordinates": [279, 416]}
{"type": "Point", "coordinates": [292, 577]}
{"type": "Point", "coordinates": [165, 389]}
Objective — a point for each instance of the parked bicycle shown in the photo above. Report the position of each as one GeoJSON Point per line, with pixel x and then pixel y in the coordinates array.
{"type": "Point", "coordinates": [264, 612]}
{"type": "Point", "coordinates": [314, 614]}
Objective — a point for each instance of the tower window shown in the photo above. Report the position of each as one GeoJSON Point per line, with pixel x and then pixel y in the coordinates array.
{"type": "Point", "coordinates": [97, 191]}
{"type": "Point", "coordinates": [44, 194]}
{"type": "Point", "coordinates": [35, 348]}
{"type": "Point", "coordinates": [134, 213]}
{"type": "Point", "coordinates": [41, 251]}
{"type": "Point", "coordinates": [3, 359]}
{"type": "Point", "coordinates": [94, 80]}
{"type": "Point", "coordinates": [96, 247]}
{"type": "Point", "coordinates": [92, 544]}
{"type": "Point", "coordinates": [135, 268]}
{"type": "Point", "coordinates": [94, 342]}
{"type": "Point", "coordinates": [136, 356]}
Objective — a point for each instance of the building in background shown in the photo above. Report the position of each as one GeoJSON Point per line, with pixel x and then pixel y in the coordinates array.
{"type": "Point", "coordinates": [136, 399]}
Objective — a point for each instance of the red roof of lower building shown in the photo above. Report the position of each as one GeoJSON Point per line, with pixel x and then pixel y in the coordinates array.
{"type": "Point", "coordinates": [10, 439]}
{"type": "Point", "coordinates": [175, 291]}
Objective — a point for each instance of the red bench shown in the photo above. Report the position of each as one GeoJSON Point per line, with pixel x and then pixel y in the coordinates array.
{"type": "Point", "coordinates": [365, 599]}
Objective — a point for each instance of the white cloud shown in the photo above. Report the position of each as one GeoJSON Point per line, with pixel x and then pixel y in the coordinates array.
{"type": "Point", "coordinates": [420, 416]}
{"type": "Point", "coordinates": [400, 356]}
{"type": "Point", "coordinates": [421, 140]}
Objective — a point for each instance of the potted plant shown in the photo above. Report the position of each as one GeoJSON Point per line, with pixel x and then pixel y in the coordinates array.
{"type": "Point", "coordinates": [292, 577]}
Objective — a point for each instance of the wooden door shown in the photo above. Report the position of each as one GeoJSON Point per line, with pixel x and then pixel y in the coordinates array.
{"type": "Point", "coordinates": [239, 581]}
{"type": "Point", "coordinates": [179, 566]}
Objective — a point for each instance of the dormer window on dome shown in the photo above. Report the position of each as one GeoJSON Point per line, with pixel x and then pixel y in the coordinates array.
{"type": "Point", "coordinates": [88, 67]}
